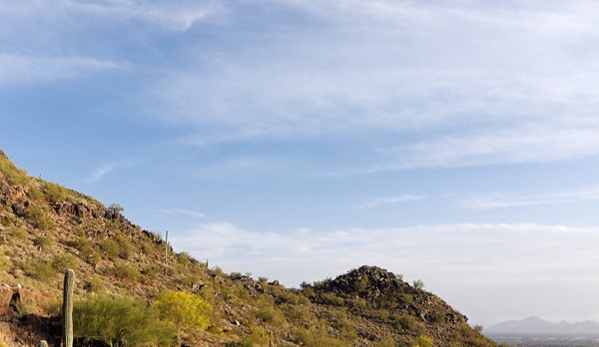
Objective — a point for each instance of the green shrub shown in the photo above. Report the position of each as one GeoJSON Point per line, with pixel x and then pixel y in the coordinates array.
{"type": "Point", "coordinates": [269, 313]}
{"type": "Point", "coordinates": [40, 218]}
{"type": "Point", "coordinates": [424, 341]}
{"type": "Point", "coordinates": [386, 343]}
{"type": "Point", "coordinates": [121, 321]}
{"type": "Point", "coordinates": [184, 309]}
{"type": "Point", "coordinates": [95, 285]}
{"type": "Point", "coordinates": [44, 241]}
{"type": "Point", "coordinates": [124, 272]}
{"type": "Point", "coordinates": [330, 299]}
{"type": "Point", "coordinates": [124, 248]}
{"type": "Point", "coordinates": [261, 335]}
{"type": "Point", "coordinates": [55, 192]}
{"type": "Point", "coordinates": [315, 337]}
{"type": "Point", "coordinates": [4, 264]}
{"type": "Point", "coordinates": [19, 233]}
{"type": "Point", "coordinates": [110, 248]}
{"type": "Point", "coordinates": [65, 261]}
{"type": "Point", "coordinates": [13, 174]}
{"type": "Point", "coordinates": [25, 307]}
{"type": "Point", "coordinates": [418, 284]}
{"type": "Point", "coordinates": [39, 269]}
{"type": "Point", "coordinates": [90, 256]}
{"type": "Point", "coordinates": [409, 323]}
{"type": "Point", "coordinates": [347, 331]}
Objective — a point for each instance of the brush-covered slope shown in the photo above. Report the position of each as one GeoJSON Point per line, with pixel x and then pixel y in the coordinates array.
{"type": "Point", "coordinates": [46, 228]}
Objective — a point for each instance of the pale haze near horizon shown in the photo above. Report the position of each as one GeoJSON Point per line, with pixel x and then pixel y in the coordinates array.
{"type": "Point", "coordinates": [455, 142]}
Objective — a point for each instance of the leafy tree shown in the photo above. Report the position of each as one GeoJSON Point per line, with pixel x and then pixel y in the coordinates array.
{"type": "Point", "coordinates": [184, 309]}
{"type": "Point", "coordinates": [116, 208]}
{"type": "Point", "coordinates": [121, 321]}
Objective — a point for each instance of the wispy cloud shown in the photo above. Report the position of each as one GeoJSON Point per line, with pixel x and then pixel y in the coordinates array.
{"type": "Point", "coordinates": [242, 168]}
{"type": "Point", "coordinates": [389, 200]}
{"type": "Point", "coordinates": [526, 144]}
{"type": "Point", "coordinates": [503, 201]}
{"type": "Point", "coordinates": [474, 252]}
{"type": "Point", "coordinates": [509, 77]}
{"type": "Point", "coordinates": [178, 16]}
{"type": "Point", "coordinates": [106, 169]}
{"type": "Point", "coordinates": [52, 41]}
{"type": "Point", "coordinates": [184, 212]}
{"type": "Point", "coordinates": [19, 69]}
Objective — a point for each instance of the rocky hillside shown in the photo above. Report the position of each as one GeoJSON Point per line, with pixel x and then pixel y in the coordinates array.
{"type": "Point", "coordinates": [46, 228]}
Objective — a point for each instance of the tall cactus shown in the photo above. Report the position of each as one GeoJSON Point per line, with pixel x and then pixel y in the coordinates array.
{"type": "Point", "coordinates": [67, 309]}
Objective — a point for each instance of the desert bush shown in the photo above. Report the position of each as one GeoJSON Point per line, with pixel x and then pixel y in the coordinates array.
{"type": "Point", "coordinates": [24, 307]}
{"type": "Point", "coordinates": [269, 313]}
{"type": "Point", "coordinates": [44, 241]}
{"type": "Point", "coordinates": [330, 299]}
{"type": "Point", "coordinates": [418, 284]}
{"type": "Point", "coordinates": [124, 248]}
{"type": "Point", "coordinates": [39, 269]}
{"type": "Point", "coordinates": [91, 256]}
{"type": "Point", "coordinates": [95, 285]}
{"type": "Point", "coordinates": [386, 343]}
{"type": "Point", "coordinates": [110, 248]}
{"type": "Point", "coordinates": [40, 218]}
{"type": "Point", "coordinates": [65, 261]}
{"type": "Point", "coordinates": [19, 233]}
{"type": "Point", "coordinates": [55, 192]}
{"type": "Point", "coordinates": [52, 307]}
{"type": "Point", "coordinates": [4, 264]}
{"type": "Point", "coordinates": [184, 309]}
{"type": "Point", "coordinates": [409, 323]}
{"type": "Point", "coordinates": [424, 341]}
{"type": "Point", "coordinates": [124, 272]}
{"type": "Point", "coordinates": [81, 242]}
{"type": "Point", "coordinates": [406, 298]}
{"type": "Point", "coordinates": [347, 331]}
{"type": "Point", "coordinates": [315, 337]}
{"type": "Point", "coordinates": [13, 174]}
{"type": "Point", "coordinates": [261, 335]}
{"type": "Point", "coordinates": [361, 285]}
{"type": "Point", "coordinates": [121, 321]}
{"type": "Point", "coordinates": [243, 342]}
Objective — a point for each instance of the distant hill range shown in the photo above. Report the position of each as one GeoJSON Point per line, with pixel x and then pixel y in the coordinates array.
{"type": "Point", "coordinates": [538, 326]}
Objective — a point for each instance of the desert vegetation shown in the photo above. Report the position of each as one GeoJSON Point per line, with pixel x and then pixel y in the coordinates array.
{"type": "Point", "coordinates": [133, 289]}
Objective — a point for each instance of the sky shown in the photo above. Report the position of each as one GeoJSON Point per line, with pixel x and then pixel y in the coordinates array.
{"type": "Point", "coordinates": [454, 142]}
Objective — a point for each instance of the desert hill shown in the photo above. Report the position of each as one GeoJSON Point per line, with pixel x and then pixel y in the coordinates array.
{"type": "Point", "coordinates": [136, 277]}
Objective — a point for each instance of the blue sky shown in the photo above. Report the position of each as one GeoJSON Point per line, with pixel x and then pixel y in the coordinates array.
{"type": "Point", "coordinates": [455, 142]}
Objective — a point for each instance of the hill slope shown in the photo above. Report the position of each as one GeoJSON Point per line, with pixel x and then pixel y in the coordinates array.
{"type": "Point", "coordinates": [46, 228]}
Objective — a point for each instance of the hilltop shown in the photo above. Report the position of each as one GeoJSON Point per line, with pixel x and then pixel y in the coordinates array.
{"type": "Point", "coordinates": [46, 228]}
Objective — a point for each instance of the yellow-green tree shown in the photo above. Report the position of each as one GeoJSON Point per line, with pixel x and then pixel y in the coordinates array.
{"type": "Point", "coordinates": [424, 341]}
{"type": "Point", "coordinates": [184, 309]}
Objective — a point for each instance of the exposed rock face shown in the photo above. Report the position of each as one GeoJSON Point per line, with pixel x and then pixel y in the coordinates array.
{"type": "Point", "coordinates": [370, 282]}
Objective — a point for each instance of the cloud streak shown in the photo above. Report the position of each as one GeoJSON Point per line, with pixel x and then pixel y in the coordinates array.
{"type": "Point", "coordinates": [505, 201]}
{"type": "Point", "coordinates": [477, 252]}
{"type": "Point", "coordinates": [389, 200]}
{"type": "Point", "coordinates": [25, 70]}
{"type": "Point", "coordinates": [509, 77]}
{"type": "Point", "coordinates": [106, 169]}
{"type": "Point", "coordinates": [184, 212]}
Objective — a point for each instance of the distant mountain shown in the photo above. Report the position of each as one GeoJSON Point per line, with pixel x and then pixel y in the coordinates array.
{"type": "Point", "coordinates": [536, 325]}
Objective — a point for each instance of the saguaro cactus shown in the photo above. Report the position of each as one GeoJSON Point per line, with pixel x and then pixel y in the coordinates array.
{"type": "Point", "coordinates": [67, 309]}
